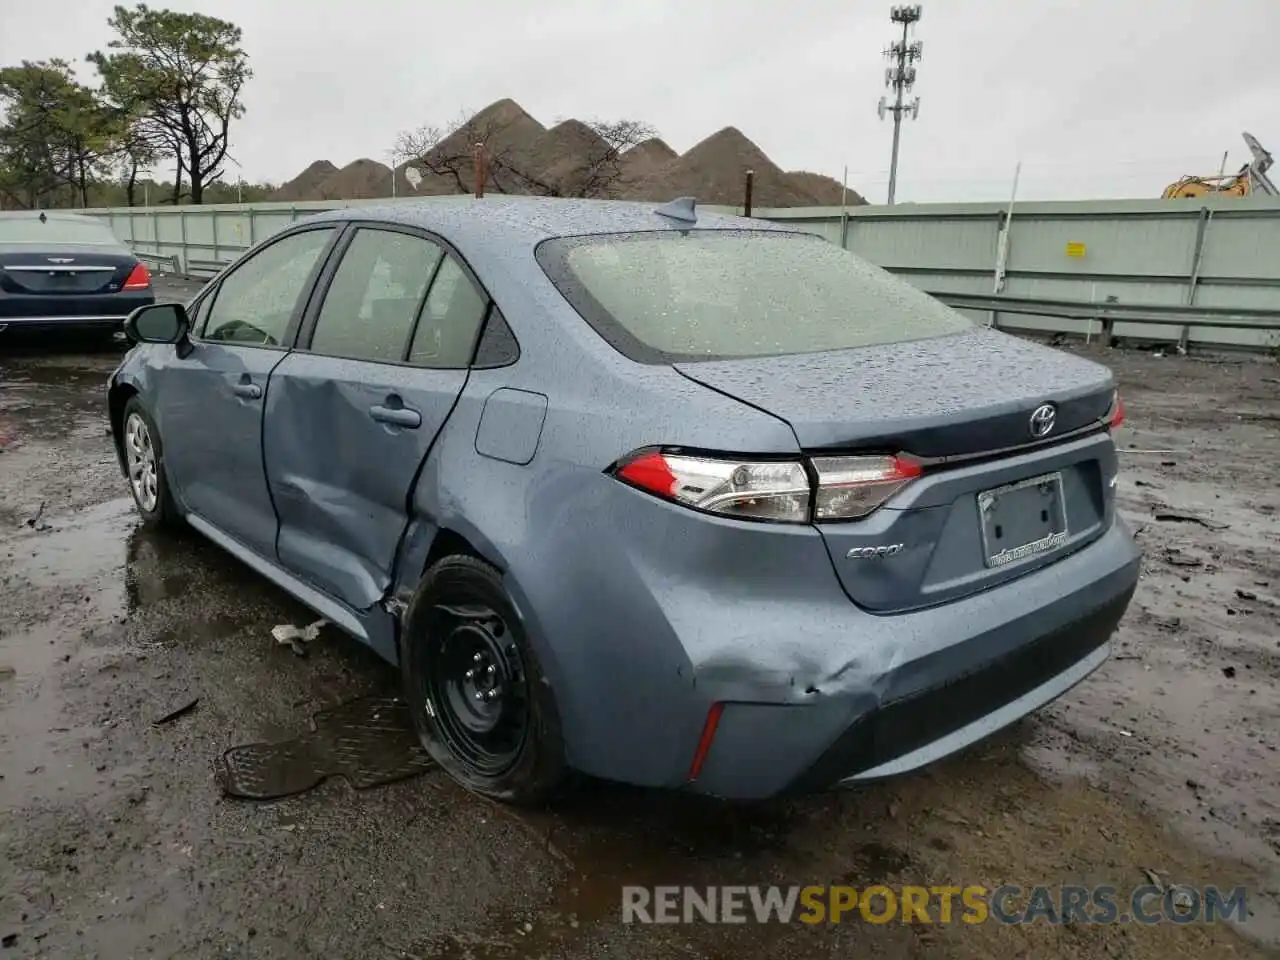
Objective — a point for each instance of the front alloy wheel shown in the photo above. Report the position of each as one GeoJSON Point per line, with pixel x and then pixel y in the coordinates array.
{"type": "Point", "coordinates": [140, 457]}
{"type": "Point", "coordinates": [144, 464]}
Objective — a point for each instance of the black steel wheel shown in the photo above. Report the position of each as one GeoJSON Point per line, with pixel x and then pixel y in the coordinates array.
{"type": "Point", "coordinates": [475, 689]}
{"type": "Point", "coordinates": [477, 686]}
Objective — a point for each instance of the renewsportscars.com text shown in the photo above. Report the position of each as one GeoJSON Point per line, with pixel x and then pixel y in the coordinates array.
{"type": "Point", "coordinates": [970, 904]}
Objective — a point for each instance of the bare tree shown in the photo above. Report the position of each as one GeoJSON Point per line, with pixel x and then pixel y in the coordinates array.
{"type": "Point", "coordinates": [591, 168]}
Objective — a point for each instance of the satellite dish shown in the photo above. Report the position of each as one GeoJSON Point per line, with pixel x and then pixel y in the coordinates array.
{"type": "Point", "coordinates": [413, 176]}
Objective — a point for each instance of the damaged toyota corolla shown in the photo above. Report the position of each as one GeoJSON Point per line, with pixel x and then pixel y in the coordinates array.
{"type": "Point", "coordinates": [655, 495]}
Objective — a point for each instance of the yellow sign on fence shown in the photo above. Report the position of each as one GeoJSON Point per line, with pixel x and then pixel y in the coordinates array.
{"type": "Point", "coordinates": [1075, 248]}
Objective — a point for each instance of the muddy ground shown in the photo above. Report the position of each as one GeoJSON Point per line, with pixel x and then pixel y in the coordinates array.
{"type": "Point", "coordinates": [116, 841]}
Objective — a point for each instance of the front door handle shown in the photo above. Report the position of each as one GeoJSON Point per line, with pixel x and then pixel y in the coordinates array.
{"type": "Point", "coordinates": [396, 416]}
{"type": "Point", "coordinates": [250, 391]}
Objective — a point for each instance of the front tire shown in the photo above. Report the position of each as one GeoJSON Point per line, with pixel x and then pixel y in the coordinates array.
{"type": "Point", "coordinates": [479, 700]}
{"type": "Point", "coordinates": [144, 467]}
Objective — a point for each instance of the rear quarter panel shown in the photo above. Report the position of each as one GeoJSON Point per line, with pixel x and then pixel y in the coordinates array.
{"type": "Point", "coordinates": [560, 529]}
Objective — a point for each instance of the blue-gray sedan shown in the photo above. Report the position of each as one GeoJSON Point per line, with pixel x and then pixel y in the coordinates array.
{"type": "Point", "coordinates": [650, 494]}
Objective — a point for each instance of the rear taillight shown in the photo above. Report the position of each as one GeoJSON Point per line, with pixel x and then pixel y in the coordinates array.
{"type": "Point", "coordinates": [852, 487]}
{"type": "Point", "coordinates": [139, 278]}
{"type": "Point", "coordinates": [749, 490]}
{"type": "Point", "coordinates": [1115, 416]}
{"type": "Point", "coordinates": [783, 491]}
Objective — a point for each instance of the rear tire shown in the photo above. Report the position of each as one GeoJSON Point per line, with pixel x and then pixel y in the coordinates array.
{"type": "Point", "coordinates": [481, 705]}
{"type": "Point", "coordinates": [144, 467]}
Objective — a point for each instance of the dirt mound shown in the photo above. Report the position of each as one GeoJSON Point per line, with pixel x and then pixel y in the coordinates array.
{"type": "Point", "coordinates": [362, 179]}
{"type": "Point", "coordinates": [714, 171]}
{"type": "Point", "coordinates": [566, 159]}
{"type": "Point", "coordinates": [504, 127]}
{"type": "Point", "coordinates": [306, 184]}
{"type": "Point", "coordinates": [643, 160]}
{"type": "Point", "coordinates": [826, 191]}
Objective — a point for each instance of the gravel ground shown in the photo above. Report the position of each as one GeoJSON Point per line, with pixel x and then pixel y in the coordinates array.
{"type": "Point", "coordinates": [118, 843]}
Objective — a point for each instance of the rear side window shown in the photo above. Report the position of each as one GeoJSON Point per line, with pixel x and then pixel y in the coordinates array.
{"type": "Point", "coordinates": [375, 295]}
{"type": "Point", "coordinates": [671, 296]}
{"type": "Point", "coordinates": [28, 230]}
{"type": "Point", "coordinates": [450, 321]}
{"type": "Point", "coordinates": [254, 302]}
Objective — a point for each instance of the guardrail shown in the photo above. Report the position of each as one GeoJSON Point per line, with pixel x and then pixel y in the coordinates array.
{"type": "Point", "coordinates": [204, 269]}
{"type": "Point", "coordinates": [169, 264]}
{"type": "Point", "coordinates": [1231, 318]}
{"type": "Point", "coordinates": [1252, 319]}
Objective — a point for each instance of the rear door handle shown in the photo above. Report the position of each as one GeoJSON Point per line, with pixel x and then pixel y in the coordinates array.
{"type": "Point", "coordinates": [396, 416]}
{"type": "Point", "coordinates": [250, 391]}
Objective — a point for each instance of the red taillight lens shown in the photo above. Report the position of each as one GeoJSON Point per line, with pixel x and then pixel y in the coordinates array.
{"type": "Point", "coordinates": [1115, 416]}
{"type": "Point", "coordinates": [139, 278]}
{"type": "Point", "coordinates": [649, 471]}
{"type": "Point", "coordinates": [846, 488]}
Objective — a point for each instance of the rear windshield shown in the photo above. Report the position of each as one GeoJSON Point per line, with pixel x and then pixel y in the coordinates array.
{"type": "Point", "coordinates": [670, 296]}
{"type": "Point", "coordinates": [27, 229]}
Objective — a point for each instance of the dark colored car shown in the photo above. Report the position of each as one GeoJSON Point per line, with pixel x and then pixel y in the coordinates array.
{"type": "Point", "coordinates": [63, 271]}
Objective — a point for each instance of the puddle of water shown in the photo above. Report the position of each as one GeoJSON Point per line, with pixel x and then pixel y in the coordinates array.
{"type": "Point", "coordinates": [78, 548]}
{"type": "Point", "coordinates": [42, 757]}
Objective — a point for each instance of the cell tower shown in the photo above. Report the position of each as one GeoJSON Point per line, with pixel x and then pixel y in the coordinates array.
{"type": "Point", "coordinates": [900, 77]}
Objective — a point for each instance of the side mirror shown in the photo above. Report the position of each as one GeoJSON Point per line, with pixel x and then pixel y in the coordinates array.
{"type": "Point", "coordinates": [158, 323]}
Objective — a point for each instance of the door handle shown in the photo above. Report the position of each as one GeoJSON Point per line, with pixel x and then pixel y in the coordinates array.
{"type": "Point", "coordinates": [396, 416]}
{"type": "Point", "coordinates": [250, 391]}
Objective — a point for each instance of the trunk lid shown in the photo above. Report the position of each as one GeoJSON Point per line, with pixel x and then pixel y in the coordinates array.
{"type": "Point", "coordinates": [996, 502]}
{"type": "Point", "coordinates": [958, 395]}
{"type": "Point", "coordinates": [66, 271]}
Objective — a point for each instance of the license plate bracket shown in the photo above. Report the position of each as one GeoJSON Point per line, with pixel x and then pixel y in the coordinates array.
{"type": "Point", "coordinates": [1022, 520]}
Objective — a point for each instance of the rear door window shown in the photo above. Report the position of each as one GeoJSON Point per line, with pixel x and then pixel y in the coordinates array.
{"type": "Point", "coordinates": [255, 302]}
{"type": "Point", "coordinates": [375, 296]}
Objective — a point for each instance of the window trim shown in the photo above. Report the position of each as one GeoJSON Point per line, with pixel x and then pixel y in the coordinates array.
{"type": "Point", "coordinates": [320, 292]}
{"type": "Point", "coordinates": [211, 291]}
{"type": "Point", "coordinates": [484, 332]}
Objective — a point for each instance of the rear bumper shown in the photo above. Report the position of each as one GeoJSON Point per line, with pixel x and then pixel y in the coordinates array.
{"type": "Point", "coordinates": [45, 314]}
{"type": "Point", "coordinates": [983, 673]}
{"type": "Point", "coordinates": [918, 729]}
{"type": "Point", "coordinates": [68, 324]}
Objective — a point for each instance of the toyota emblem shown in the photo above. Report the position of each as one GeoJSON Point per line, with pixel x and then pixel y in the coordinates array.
{"type": "Point", "coordinates": [1042, 420]}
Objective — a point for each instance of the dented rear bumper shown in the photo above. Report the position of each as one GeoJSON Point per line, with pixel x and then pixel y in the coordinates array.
{"type": "Point", "coordinates": [979, 665]}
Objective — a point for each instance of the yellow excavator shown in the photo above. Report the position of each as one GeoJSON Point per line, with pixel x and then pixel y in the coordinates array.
{"type": "Point", "coordinates": [1251, 179]}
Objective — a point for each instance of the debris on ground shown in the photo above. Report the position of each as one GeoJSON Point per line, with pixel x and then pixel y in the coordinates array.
{"type": "Point", "coordinates": [34, 522]}
{"type": "Point", "coordinates": [7, 671]}
{"type": "Point", "coordinates": [295, 637]}
{"type": "Point", "coordinates": [175, 713]}
{"type": "Point", "coordinates": [1168, 517]}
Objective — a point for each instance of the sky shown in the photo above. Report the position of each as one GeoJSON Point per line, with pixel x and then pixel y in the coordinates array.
{"type": "Point", "coordinates": [1095, 98]}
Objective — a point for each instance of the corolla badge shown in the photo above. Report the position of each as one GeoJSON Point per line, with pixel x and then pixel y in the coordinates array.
{"type": "Point", "coordinates": [1042, 420]}
{"type": "Point", "coordinates": [61, 259]}
{"type": "Point", "coordinates": [875, 553]}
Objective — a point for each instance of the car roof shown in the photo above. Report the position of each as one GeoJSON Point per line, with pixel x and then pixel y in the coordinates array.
{"type": "Point", "coordinates": [48, 214]}
{"type": "Point", "coordinates": [527, 221]}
